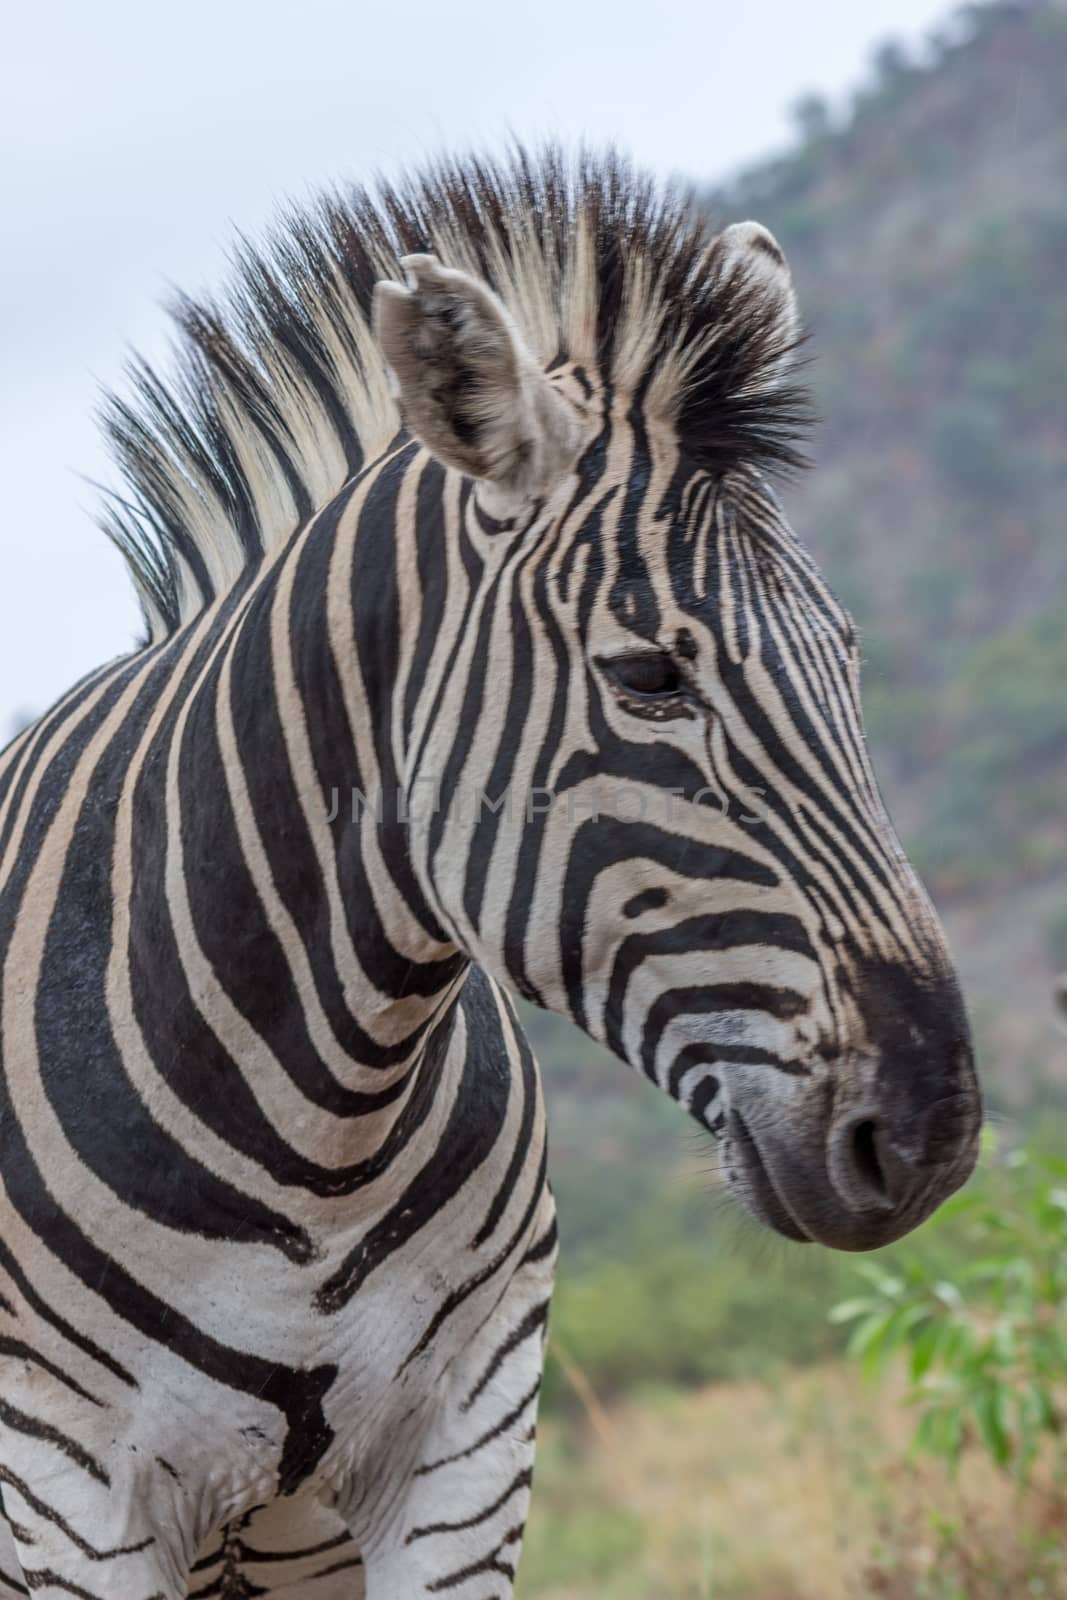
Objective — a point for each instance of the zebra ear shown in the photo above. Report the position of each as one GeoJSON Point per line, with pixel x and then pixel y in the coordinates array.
{"type": "Point", "coordinates": [751, 249]}
{"type": "Point", "coordinates": [468, 386]}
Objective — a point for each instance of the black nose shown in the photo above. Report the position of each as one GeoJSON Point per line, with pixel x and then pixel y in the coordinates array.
{"type": "Point", "coordinates": [917, 1116]}
{"type": "Point", "coordinates": [878, 1163]}
{"type": "Point", "coordinates": [890, 1160]}
{"type": "Point", "coordinates": [892, 1132]}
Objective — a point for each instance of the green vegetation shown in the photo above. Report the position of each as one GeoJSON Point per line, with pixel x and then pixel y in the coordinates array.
{"type": "Point", "coordinates": [985, 1345]}
{"type": "Point", "coordinates": [675, 1289]}
{"type": "Point", "coordinates": [685, 1300]}
{"type": "Point", "coordinates": [969, 1328]}
{"type": "Point", "coordinates": [795, 1477]}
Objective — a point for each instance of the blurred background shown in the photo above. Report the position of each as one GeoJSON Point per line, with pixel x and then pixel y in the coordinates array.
{"type": "Point", "coordinates": [708, 1430]}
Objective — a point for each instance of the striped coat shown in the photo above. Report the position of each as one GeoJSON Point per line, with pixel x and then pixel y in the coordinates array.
{"type": "Point", "coordinates": [479, 656]}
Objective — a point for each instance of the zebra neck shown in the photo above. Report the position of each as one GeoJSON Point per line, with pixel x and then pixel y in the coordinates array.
{"type": "Point", "coordinates": [305, 979]}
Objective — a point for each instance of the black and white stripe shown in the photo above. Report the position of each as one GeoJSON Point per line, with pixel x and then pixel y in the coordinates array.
{"type": "Point", "coordinates": [276, 1241]}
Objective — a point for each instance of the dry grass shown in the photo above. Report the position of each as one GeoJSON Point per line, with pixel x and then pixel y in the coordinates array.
{"type": "Point", "coordinates": [802, 1490]}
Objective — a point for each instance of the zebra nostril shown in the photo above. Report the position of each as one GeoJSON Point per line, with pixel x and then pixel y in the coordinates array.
{"type": "Point", "coordinates": [866, 1160]}
{"type": "Point", "coordinates": [864, 1169]}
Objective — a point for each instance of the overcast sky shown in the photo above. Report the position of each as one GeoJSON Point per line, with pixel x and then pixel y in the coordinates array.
{"type": "Point", "coordinates": [134, 139]}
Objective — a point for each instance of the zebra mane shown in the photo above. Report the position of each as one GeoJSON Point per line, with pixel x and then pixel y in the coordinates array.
{"type": "Point", "coordinates": [280, 393]}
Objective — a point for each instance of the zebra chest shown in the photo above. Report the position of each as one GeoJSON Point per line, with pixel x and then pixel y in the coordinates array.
{"type": "Point", "coordinates": [334, 1406]}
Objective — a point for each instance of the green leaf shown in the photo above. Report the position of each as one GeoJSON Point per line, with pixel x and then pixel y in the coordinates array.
{"type": "Point", "coordinates": [1041, 1408]}
{"type": "Point", "coordinates": [924, 1350]}
{"type": "Point", "coordinates": [987, 1269]}
{"type": "Point", "coordinates": [957, 1342]}
{"type": "Point", "coordinates": [989, 1408]}
{"type": "Point", "coordinates": [847, 1310]}
{"type": "Point", "coordinates": [941, 1432]}
{"type": "Point", "coordinates": [926, 1434]}
{"type": "Point", "coordinates": [891, 1334]}
{"type": "Point", "coordinates": [866, 1334]}
{"type": "Point", "coordinates": [887, 1285]}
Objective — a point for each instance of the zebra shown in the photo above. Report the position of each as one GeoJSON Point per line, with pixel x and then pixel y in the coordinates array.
{"type": "Point", "coordinates": [479, 660]}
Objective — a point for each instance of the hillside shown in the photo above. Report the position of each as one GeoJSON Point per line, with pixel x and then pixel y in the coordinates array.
{"type": "Point", "coordinates": [928, 238]}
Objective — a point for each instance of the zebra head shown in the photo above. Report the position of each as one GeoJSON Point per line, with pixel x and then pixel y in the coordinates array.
{"type": "Point", "coordinates": [653, 810]}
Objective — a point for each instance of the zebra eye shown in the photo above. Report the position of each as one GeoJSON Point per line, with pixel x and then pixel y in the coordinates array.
{"type": "Point", "coordinates": [651, 674]}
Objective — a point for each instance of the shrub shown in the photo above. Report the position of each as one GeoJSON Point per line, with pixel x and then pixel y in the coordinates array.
{"type": "Point", "coordinates": [986, 1348]}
